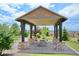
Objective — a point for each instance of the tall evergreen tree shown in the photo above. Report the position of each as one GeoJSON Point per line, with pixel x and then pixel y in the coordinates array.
{"type": "Point", "coordinates": [65, 35]}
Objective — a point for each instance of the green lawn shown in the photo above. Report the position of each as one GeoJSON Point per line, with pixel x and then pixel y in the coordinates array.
{"type": "Point", "coordinates": [54, 55]}
{"type": "Point", "coordinates": [74, 45]}
{"type": "Point", "coordinates": [46, 54]}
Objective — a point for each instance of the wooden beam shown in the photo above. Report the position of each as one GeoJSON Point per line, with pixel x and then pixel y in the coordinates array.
{"type": "Point", "coordinates": [60, 20]}
{"type": "Point", "coordinates": [22, 31]}
{"type": "Point", "coordinates": [24, 21]}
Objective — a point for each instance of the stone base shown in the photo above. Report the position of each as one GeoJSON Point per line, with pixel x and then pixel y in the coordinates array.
{"type": "Point", "coordinates": [22, 45]}
{"type": "Point", "coordinates": [30, 41]}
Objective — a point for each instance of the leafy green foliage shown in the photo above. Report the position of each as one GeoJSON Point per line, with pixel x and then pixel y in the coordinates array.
{"type": "Point", "coordinates": [5, 41]}
{"type": "Point", "coordinates": [38, 35]}
{"type": "Point", "coordinates": [43, 33]}
{"type": "Point", "coordinates": [6, 37]}
{"type": "Point", "coordinates": [26, 34]}
{"type": "Point", "coordinates": [65, 35]}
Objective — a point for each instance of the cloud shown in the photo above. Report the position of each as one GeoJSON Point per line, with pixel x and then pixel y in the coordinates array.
{"type": "Point", "coordinates": [6, 19]}
{"type": "Point", "coordinates": [72, 13]}
{"type": "Point", "coordinates": [18, 14]}
{"type": "Point", "coordinates": [12, 10]}
{"type": "Point", "coordinates": [70, 10]}
{"type": "Point", "coordinates": [29, 1]}
{"type": "Point", "coordinates": [7, 8]}
{"type": "Point", "coordinates": [15, 5]}
{"type": "Point", "coordinates": [34, 5]}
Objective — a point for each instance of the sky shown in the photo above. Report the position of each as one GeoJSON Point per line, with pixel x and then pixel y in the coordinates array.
{"type": "Point", "coordinates": [10, 11]}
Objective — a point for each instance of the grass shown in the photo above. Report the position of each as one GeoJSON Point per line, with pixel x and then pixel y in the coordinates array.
{"type": "Point", "coordinates": [46, 54]}
{"type": "Point", "coordinates": [75, 39]}
{"type": "Point", "coordinates": [74, 45]}
{"type": "Point", "coordinates": [54, 54]}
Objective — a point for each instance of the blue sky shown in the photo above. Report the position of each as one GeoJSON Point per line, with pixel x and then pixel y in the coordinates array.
{"type": "Point", "coordinates": [10, 11]}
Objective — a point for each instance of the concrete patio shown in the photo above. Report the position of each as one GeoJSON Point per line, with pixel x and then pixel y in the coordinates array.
{"type": "Point", "coordinates": [46, 49]}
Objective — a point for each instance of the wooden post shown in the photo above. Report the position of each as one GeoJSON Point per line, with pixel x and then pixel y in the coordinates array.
{"type": "Point", "coordinates": [60, 31]}
{"type": "Point", "coordinates": [30, 31]}
{"type": "Point", "coordinates": [56, 31]}
{"type": "Point", "coordinates": [35, 30]}
{"type": "Point", "coordinates": [22, 31]}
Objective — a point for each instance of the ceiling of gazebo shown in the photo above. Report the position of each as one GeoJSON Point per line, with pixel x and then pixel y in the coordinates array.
{"type": "Point", "coordinates": [41, 16]}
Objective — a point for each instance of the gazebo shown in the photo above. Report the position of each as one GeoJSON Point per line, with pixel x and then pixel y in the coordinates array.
{"type": "Point", "coordinates": [42, 16]}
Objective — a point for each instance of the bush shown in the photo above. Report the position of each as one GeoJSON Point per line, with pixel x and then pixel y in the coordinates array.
{"type": "Point", "coordinates": [26, 34]}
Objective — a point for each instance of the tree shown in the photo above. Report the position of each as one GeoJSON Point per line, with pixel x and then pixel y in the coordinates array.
{"type": "Point", "coordinates": [14, 29]}
{"type": "Point", "coordinates": [65, 35]}
{"type": "Point", "coordinates": [4, 28]}
{"type": "Point", "coordinates": [6, 38]}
